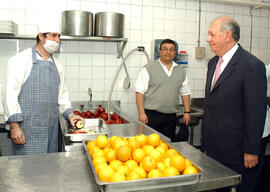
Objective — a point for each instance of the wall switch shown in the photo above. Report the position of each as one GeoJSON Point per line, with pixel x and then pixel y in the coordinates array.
{"type": "Point", "coordinates": [200, 52]}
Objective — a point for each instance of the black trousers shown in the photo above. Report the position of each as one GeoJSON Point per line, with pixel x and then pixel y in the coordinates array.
{"type": "Point", "coordinates": [161, 122]}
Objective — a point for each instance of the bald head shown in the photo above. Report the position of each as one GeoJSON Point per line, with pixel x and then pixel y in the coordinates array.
{"type": "Point", "coordinates": [229, 24]}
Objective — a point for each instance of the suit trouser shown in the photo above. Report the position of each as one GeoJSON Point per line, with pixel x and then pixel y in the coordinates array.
{"type": "Point", "coordinates": [248, 177]}
{"type": "Point", "coordinates": [161, 122]}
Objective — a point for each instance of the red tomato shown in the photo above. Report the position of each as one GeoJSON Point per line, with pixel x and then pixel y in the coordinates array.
{"type": "Point", "coordinates": [76, 112]}
{"type": "Point", "coordinates": [79, 132]}
{"type": "Point", "coordinates": [88, 113]}
{"type": "Point", "coordinates": [118, 121]}
{"type": "Point", "coordinates": [115, 116]}
{"type": "Point", "coordinates": [101, 109]}
{"type": "Point", "coordinates": [104, 116]}
{"type": "Point", "coordinates": [95, 113]}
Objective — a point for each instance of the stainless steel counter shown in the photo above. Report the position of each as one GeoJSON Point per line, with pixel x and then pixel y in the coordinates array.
{"type": "Point", "coordinates": [70, 171]}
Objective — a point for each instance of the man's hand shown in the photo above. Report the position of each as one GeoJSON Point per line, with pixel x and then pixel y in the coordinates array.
{"type": "Point", "coordinates": [250, 160]}
{"type": "Point", "coordinates": [143, 118]}
{"type": "Point", "coordinates": [73, 117]}
{"type": "Point", "coordinates": [17, 134]}
{"type": "Point", "coordinates": [186, 118]}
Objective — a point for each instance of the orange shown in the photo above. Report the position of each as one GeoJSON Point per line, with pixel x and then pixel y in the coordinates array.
{"type": "Point", "coordinates": [100, 165]}
{"type": "Point", "coordinates": [99, 160]}
{"type": "Point", "coordinates": [141, 171]}
{"type": "Point", "coordinates": [154, 173]}
{"type": "Point", "coordinates": [106, 149]}
{"type": "Point", "coordinates": [125, 139]}
{"type": "Point", "coordinates": [188, 163]}
{"type": "Point", "coordinates": [161, 166]}
{"type": "Point", "coordinates": [133, 175]}
{"type": "Point", "coordinates": [93, 150]}
{"type": "Point", "coordinates": [117, 177]}
{"type": "Point", "coordinates": [153, 139]}
{"type": "Point", "coordinates": [123, 170]}
{"type": "Point", "coordinates": [171, 152]}
{"type": "Point", "coordinates": [134, 144]}
{"type": "Point", "coordinates": [131, 164]}
{"type": "Point", "coordinates": [178, 162]}
{"type": "Point", "coordinates": [105, 174]}
{"type": "Point", "coordinates": [166, 161]}
{"type": "Point", "coordinates": [142, 139]}
{"type": "Point", "coordinates": [102, 141]}
{"type": "Point", "coordinates": [90, 145]}
{"type": "Point", "coordinates": [123, 153]}
{"type": "Point", "coordinates": [119, 142]}
{"type": "Point", "coordinates": [113, 139]}
{"type": "Point", "coordinates": [148, 148]}
{"type": "Point", "coordinates": [161, 149]}
{"type": "Point", "coordinates": [110, 155]}
{"type": "Point", "coordinates": [98, 153]}
{"type": "Point", "coordinates": [190, 170]}
{"type": "Point", "coordinates": [170, 171]}
{"type": "Point", "coordinates": [163, 145]}
{"type": "Point", "coordinates": [149, 163]}
{"type": "Point", "coordinates": [115, 164]}
{"type": "Point", "coordinates": [138, 155]}
{"type": "Point", "coordinates": [156, 155]}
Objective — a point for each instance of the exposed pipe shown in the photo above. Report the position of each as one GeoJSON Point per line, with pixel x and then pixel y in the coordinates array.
{"type": "Point", "coordinates": [199, 33]}
{"type": "Point", "coordinates": [251, 29]}
{"type": "Point", "coordinates": [139, 48]}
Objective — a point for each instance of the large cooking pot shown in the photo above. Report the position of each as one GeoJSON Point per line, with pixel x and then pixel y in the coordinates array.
{"type": "Point", "coordinates": [77, 23]}
{"type": "Point", "coordinates": [109, 24]}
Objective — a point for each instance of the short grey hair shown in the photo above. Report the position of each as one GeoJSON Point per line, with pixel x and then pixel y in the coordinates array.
{"type": "Point", "coordinates": [233, 26]}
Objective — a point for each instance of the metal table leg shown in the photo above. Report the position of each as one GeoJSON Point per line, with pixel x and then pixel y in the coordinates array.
{"type": "Point", "coordinates": [233, 189]}
{"type": "Point", "coordinates": [191, 133]}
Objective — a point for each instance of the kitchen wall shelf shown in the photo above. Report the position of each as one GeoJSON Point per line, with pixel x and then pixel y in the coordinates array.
{"type": "Point", "coordinates": [121, 42]}
{"type": "Point", "coordinates": [251, 3]}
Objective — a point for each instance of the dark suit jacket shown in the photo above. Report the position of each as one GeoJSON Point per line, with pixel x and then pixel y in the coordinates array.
{"type": "Point", "coordinates": [234, 111]}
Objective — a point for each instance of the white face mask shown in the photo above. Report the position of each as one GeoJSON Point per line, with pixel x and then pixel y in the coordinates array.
{"type": "Point", "coordinates": [51, 46]}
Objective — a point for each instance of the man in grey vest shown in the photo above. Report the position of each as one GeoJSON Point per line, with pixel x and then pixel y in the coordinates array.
{"type": "Point", "coordinates": [157, 91]}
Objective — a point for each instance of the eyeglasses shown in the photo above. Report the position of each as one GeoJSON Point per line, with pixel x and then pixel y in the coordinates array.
{"type": "Point", "coordinates": [166, 50]}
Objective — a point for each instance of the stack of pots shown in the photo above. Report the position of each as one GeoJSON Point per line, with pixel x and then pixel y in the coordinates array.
{"type": "Point", "coordinates": [80, 23]}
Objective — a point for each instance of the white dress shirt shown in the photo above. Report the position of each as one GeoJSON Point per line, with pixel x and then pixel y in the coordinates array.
{"type": "Point", "coordinates": [142, 81]}
{"type": "Point", "coordinates": [18, 70]}
{"type": "Point", "coordinates": [266, 130]}
{"type": "Point", "coordinates": [226, 59]}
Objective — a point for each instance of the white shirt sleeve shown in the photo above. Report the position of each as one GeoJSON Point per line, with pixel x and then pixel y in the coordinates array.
{"type": "Point", "coordinates": [18, 70]}
{"type": "Point", "coordinates": [185, 89]}
{"type": "Point", "coordinates": [142, 81]}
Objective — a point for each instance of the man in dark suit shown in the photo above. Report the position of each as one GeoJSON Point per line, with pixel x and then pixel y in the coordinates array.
{"type": "Point", "coordinates": [235, 102]}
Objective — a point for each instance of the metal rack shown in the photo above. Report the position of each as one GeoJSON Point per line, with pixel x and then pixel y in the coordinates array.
{"type": "Point", "coordinates": [121, 42]}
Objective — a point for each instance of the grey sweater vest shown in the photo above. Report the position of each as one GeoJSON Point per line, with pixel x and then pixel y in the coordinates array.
{"type": "Point", "coordinates": [163, 91]}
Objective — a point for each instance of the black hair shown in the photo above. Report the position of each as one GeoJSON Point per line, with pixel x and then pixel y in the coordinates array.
{"type": "Point", "coordinates": [44, 35]}
{"type": "Point", "coordinates": [167, 41]}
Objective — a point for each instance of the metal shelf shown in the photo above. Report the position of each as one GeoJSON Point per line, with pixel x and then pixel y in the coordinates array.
{"type": "Point", "coordinates": [121, 42]}
{"type": "Point", "coordinates": [250, 3]}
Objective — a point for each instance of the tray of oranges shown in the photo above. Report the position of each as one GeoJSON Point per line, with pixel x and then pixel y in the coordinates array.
{"type": "Point", "coordinates": [138, 163]}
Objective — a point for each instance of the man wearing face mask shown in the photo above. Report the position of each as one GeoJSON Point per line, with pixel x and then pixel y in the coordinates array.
{"type": "Point", "coordinates": [33, 95]}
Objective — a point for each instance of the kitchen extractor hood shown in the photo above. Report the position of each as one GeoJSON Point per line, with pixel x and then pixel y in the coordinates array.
{"type": "Point", "coordinates": [250, 3]}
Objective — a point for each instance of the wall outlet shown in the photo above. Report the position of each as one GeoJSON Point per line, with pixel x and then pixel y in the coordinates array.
{"type": "Point", "coordinates": [200, 52]}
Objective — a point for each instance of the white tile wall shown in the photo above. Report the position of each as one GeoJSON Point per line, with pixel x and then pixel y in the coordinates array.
{"type": "Point", "coordinates": [94, 64]}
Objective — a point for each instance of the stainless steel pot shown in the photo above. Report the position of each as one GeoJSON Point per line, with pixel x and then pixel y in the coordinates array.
{"type": "Point", "coordinates": [109, 24]}
{"type": "Point", "coordinates": [77, 23]}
